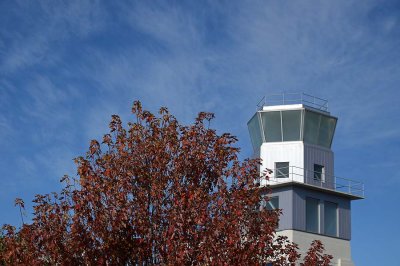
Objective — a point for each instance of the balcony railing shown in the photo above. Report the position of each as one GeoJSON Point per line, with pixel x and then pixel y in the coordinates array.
{"type": "Point", "coordinates": [293, 98]}
{"type": "Point", "coordinates": [318, 179]}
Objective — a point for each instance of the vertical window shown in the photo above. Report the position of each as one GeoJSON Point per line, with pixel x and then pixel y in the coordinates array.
{"type": "Point", "coordinates": [330, 218]}
{"type": "Point", "coordinates": [272, 126]}
{"type": "Point", "coordinates": [326, 130]}
{"type": "Point", "coordinates": [255, 132]}
{"type": "Point", "coordinates": [282, 170]}
{"type": "Point", "coordinates": [311, 126]}
{"type": "Point", "coordinates": [319, 172]}
{"type": "Point", "coordinates": [312, 215]}
{"type": "Point", "coordinates": [291, 125]}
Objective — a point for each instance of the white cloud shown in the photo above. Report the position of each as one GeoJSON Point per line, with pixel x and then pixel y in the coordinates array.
{"type": "Point", "coordinates": [57, 22]}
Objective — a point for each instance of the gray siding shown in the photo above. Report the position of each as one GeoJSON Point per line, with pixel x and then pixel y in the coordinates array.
{"type": "Point", "coordinates": [322, 156]}
{"type": "Point", "coordinates": [345, 220]}
{"type": "Point", "coordinates": [292, 201]}
{"type": "Point", "coordinates": [299, 212]}
{"type": "Point", "coordinates": [285, 203]}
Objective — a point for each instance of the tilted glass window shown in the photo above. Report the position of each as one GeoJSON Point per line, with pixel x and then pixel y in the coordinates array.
{"type": "Point", "coordinates": [288, 125]}
{"type": "Point", "coordinates": [272, 126]}
{"type": "Point", "coordinates": [312, 215]}
{"type": "Point", "coordinates": [282, 170]}
{"type": "Point", "coordinates": [311, 126]}
{"type": "Point", "coordinates": [318, 129]}
{"type": "Point", "coordinates": [291, 125]}
{"type": "Point", "coordinates": [326, 130]}
{"type": "Point", "coordinates": [330, 218]}
{"type": "Point", "coordinates": [255, 132]}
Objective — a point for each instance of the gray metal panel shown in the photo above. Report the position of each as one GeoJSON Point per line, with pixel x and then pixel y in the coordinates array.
{"type": "Point", "coordinates": [285, 203]}
{"type": "Point", "coordinates": [299, 212]}
{"type": "Point", "coordinates": [322, 156]}
{"type": "Point", "coordinates": [345, 220]}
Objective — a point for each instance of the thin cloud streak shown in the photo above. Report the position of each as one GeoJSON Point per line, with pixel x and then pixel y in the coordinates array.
{"type": "Point", "coordinates": [66, 67]}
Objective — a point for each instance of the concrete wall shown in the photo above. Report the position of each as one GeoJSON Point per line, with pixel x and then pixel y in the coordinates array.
{"type": "Point", "coordinates": [338, 248]}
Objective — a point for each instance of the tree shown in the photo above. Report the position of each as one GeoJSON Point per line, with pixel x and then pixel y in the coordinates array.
{"type": "Point", "coordinates": [315, 255]}
{"type": "Point", "coordinates": [155, 193]}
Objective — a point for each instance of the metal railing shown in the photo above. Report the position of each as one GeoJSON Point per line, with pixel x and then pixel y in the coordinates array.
{"type": "Point", "coordinates": [319, 179]}
{"type": "Point", "coordinates": [293, 98]}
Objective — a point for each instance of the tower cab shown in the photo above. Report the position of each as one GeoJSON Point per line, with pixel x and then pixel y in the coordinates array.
{"type": "Point", "coordinates": [293, 134]}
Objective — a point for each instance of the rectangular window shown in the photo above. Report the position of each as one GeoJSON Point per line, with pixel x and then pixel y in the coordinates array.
{"type": "Point", "coordinates": [311, 127]}
{"type": "Point", "coordinates": [319, 172]}
{"type": "Point", "coordinates": [272, 126]}
{"type": "Point", "coordinates": [282, 170]}
{"type": "Point", "coordinates": [272, 204]}
{"type": "Point", "coordinates": [291, 125]}
{"type": "Point", "coordinates": [330, 218]}
{"type": "Point", "coordinates": [312, 215]}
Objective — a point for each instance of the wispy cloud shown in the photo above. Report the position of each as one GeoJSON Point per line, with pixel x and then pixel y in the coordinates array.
{"type": "Point", "coordinates": [66, 67]}
{"type": "Point", "coordinates": [37, 40]}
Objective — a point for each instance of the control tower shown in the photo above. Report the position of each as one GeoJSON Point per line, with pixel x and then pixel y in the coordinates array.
{"type": "Point", "coordinates": [292, 133]}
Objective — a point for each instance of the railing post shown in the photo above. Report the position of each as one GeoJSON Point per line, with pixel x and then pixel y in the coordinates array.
{"type": "Point", "coordinates": [362, 189]}
{"type": "Point", "coordinates": [349, 186]}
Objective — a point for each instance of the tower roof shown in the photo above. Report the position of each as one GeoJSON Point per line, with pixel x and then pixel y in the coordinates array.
{"type": "Point", "coordinates": [292, 117]}
{"type": "Point", "coordinates": [293, 98]}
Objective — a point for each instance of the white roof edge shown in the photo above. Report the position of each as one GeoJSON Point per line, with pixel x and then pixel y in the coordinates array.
{"type": "Point", "coordinates": [282, 107]}
{"type": "Point", "coordinates": [291, 107]}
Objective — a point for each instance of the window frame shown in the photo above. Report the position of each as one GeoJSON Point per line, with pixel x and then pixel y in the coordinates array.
{"type": "Point", "coordinates": [318, 215]}
{"type": "Point", "coordinates": [319, 176]}
{"type": "Point", "coordinates": [336, 218]}
{"type": "Point", "coordinates": [278, 173]}
{"type": "Point", "coordinates": [270, 207]}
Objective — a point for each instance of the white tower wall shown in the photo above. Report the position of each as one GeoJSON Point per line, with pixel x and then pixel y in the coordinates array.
{"type": "Point", "coordinates": [292, 152]}
{"type": "Point", "coordinates": [301, 157]}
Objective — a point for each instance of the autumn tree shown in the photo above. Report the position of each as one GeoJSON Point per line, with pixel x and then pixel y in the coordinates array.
{"type": "Point", "coordinates": [155, 192]}
{"type": "Point", "coordinates": [315, 255]}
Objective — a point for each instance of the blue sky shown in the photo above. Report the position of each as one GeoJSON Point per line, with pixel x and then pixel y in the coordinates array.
{"type": "Point", "coordinates": [66, 67]}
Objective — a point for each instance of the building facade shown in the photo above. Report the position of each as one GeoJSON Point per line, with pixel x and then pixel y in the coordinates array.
{"type": "Point", "coordinates": [293, 137]}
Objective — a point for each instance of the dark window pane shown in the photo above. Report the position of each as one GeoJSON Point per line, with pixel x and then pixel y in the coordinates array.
{"type": "Point", "coordinates": [282, 170]}
{"type": "Point", "coordinates": [312, 215]}
{"type": "Point", "coordinates": [326, 131]}
{"type": "Point", "coordinates": [319, 172]}
{"type": "Point", "coordinates": [291, 125]}
{"type": "Point", "coordinates": [311, 127]}
{"type": "Point", "coordinates": [330, 218]}
{"type": "Point", "coordinates": [255, 132]}
{"type": "Point", "coordinates": [272, 204]}
{"type": "Point", "coordinates": [272, 126]}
